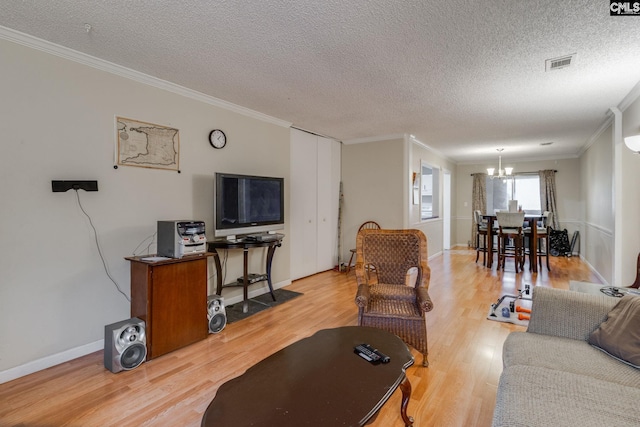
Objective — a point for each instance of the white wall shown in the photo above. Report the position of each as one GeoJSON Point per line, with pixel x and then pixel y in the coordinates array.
{"type": "Point", "coordinates": [630, 196]}
{"type": "Point", "coordinates": [608, 187]}
{"type": "Point", "coordinates": [596, 172]}
{"type": "Point", "coordinates": [377, 186]}
{"type": "Point", "coordinates": [58, 123]}
{"type": "Point", "coordinates": [433, 228]}
{"type": "Point", "coordinates": [374, 182]}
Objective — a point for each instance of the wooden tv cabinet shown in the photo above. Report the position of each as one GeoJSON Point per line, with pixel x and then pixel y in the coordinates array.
{"type": "Point", "coordinates": [171, 297]}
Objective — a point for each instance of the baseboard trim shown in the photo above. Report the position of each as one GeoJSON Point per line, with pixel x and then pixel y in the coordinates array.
{"type": "Point", "coordinates": [49, 361]}
{"type": "Point", "coordinates": [73, 353]}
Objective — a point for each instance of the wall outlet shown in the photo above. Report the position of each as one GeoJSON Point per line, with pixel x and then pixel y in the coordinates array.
{"type": "Point", "coordinates": [62, 186]}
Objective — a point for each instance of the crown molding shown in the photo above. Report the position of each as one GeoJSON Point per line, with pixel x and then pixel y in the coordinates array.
{"type": "Point", "coordinates": [315, 133]}
{"type": "Point", "coordinates": [373, 139]}
{"type": "Point", "coordinates": [520, 159]}
{"type": "Point", "coordinates": [100, 64]}
{"type": "Point", "coordinates": [594, 137]}
{"type": "Point", "coordinates": [416, 141]}
{"type": "Point", "coordinates": [631, 97]}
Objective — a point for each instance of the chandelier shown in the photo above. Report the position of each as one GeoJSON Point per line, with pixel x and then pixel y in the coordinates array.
{"type": "Point", "coordinates": [502, 173]}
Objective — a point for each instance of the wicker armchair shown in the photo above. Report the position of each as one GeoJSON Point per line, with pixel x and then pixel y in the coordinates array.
{"type": "Point", "coordinates": [393, 281]}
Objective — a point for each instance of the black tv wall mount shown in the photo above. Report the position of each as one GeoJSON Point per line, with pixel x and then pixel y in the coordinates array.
{"type": "Point", "coordinates": [62, 186]}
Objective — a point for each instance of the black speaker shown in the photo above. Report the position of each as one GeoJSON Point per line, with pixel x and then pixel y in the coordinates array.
{"type": "Point", "coordinates": [125, 345]}
{"type": "Point", "coordinates": [216, 314]}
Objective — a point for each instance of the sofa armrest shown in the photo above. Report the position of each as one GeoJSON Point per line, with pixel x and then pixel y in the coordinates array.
{"type": "Point", "coordinates": [567, 314]}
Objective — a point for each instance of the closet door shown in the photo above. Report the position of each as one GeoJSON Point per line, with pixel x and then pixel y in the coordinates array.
{"type": "Point", "coordinates": [327, 200]}
{"type": "Point", "coordinates": [303, 206]}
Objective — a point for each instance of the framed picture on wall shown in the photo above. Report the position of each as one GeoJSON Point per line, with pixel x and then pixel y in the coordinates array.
{"type": "Point", "coordinates": [147, 145]}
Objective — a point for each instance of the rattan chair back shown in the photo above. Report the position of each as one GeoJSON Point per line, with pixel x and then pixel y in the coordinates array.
{"type": "Point", "coordinates": [392, 253]}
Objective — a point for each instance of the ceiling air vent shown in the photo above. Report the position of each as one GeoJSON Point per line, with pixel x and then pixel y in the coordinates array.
{"type": "Point", "coordinates": [558, 63]}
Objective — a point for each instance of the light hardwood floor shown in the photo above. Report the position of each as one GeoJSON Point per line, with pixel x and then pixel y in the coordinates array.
{"type": "Point", "coordinates": [457, 389]}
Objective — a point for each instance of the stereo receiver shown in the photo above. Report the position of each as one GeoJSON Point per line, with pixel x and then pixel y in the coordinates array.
{"type": "Point", "coordinates": [179, 238]}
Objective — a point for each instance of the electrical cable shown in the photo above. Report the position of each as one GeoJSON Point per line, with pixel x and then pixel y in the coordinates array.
{"type": "Point", "coordinates": [95, 235]}
{"type": "Point", "coordinates": [152, 237]}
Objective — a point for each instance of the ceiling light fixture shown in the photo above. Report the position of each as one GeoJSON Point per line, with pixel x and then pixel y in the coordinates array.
{"type": "Point", "coordinates": [633, 143]}
{"type": "Point", "coordinates": [502, 173]}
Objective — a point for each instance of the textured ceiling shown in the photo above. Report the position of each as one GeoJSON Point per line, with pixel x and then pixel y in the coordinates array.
{"type": "Point", "coordinates": [465, 77]}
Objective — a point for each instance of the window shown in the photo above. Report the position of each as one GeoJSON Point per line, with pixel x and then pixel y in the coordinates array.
{"type": "Point", "coordinates": [523, 188]}
{"type": "Point", "coordinates": [429, 191]}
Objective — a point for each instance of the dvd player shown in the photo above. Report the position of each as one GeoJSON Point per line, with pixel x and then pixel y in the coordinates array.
{"type": "Point", "coordinates": [261, 237]}
{"type": "Point", "coordinates": [253, 278]}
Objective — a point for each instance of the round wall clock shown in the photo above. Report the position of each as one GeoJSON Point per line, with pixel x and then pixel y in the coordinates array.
{"type": "Point", "coordinates": [217, 138]}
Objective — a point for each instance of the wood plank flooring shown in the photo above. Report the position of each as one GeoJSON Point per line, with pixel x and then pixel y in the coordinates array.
{"type": "Point", "coordinates": [457, 389]}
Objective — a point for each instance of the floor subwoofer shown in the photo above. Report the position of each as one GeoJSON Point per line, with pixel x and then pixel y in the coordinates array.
{"type": "Point", "coordinates": [216, 313]}
{"type": "Point", "coordinates": [125, 345]}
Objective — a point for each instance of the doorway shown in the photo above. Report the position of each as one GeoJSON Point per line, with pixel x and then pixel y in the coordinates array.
{"type": "Point", "coordinates": [446, 211]}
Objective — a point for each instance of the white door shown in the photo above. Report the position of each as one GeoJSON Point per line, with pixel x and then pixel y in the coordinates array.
{"type": "Point", "coordinates": [446, 211]}
{"type": "Point", "coordinates": [303, 206]}
{"type": "Point", "coordinates": [328, 198]}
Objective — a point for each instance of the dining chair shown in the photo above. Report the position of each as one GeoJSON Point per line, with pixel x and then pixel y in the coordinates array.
{"type": "Point", "coordinates": [481, 231]}
{"type": "Point", "coordinates": [510, 238]}
{"type": "Point", "coordinates": [367, 225]}
{"type": "Point", "coordinates": [542, 233]}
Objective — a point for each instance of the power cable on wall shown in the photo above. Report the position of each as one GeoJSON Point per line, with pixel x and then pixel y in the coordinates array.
{"type": "Point", "coordinates": [95, 235]}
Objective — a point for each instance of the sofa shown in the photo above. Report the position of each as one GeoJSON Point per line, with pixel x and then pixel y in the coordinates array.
{"type": "Point", "coordinates": [553, 376]}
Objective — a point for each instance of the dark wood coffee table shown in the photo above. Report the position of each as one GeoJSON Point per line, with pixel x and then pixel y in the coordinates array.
{"type": "Point", "coordinates": [317, 381]}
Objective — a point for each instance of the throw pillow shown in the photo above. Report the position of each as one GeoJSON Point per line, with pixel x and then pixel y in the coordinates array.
{"type": "Point", "coordinates": [619, 334]}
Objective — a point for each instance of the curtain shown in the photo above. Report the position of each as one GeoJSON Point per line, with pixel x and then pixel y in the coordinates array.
{"type": "Point", "coordinates": [478, 202]}
{"type": "Point", "coordinates": [548, 196]}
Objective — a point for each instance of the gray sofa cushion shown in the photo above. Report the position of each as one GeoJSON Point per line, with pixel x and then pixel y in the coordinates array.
{"type": "Point", "coordinates": [564, 354]}
{"type": "Point", "coordinates": [539, 397]}
{"type": "Point", "coordinates": [566, 313]}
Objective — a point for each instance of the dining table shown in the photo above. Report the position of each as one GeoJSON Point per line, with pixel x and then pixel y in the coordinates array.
{"type": "Point", "coordinates": [492, 231]}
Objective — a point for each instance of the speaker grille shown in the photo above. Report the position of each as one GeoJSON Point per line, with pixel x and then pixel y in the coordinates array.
{"type": "Point", "coordinates": [133, 356]}
{"type": "Point", "coordinates": [217, 323]}
{"type": "Point", "coordinates": [216, 313]}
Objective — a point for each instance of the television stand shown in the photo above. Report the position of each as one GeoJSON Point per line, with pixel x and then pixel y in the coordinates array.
{"type": "Point", "coordinates": [244, 244]}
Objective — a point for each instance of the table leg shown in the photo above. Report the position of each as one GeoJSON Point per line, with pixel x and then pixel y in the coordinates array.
{"type": "Point", "coordinates": [245, 282]}
{"type": "Point", "coordinates": [405, 386]}
{"type": "Point", "coordinates": [270, 252]}
{"type": "Point", "coordinates": [216, 259]}
{"type": "Point", "coordinates": [533, 246]}
{"type": "Point", "coordinates": [489, 248]}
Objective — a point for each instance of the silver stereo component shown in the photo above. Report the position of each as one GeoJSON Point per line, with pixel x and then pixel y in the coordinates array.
{"type": "Point", "coordinates": [216, 313]}
{"type": "Point", "coordinates": [125, 345]}
{"type": "Point", "coordinates": [179, 238]}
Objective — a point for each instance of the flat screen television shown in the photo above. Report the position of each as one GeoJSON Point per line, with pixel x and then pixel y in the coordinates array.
{"type": "Point", "coordinates": [246, 204]}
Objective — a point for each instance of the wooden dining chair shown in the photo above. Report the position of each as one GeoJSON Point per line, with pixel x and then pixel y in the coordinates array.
{"type": "Point", "coordinates": [542, 233]}
{"type": "Point", "coordinates": [510, 230]}
{"type": "Point", "coordinates": [481, 232]}
{"type": "Point", "coordinates": [367, 225]}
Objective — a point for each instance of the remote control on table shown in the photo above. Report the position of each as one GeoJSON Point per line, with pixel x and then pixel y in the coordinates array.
{"type": "Point", "coordinates": [371, 354]}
